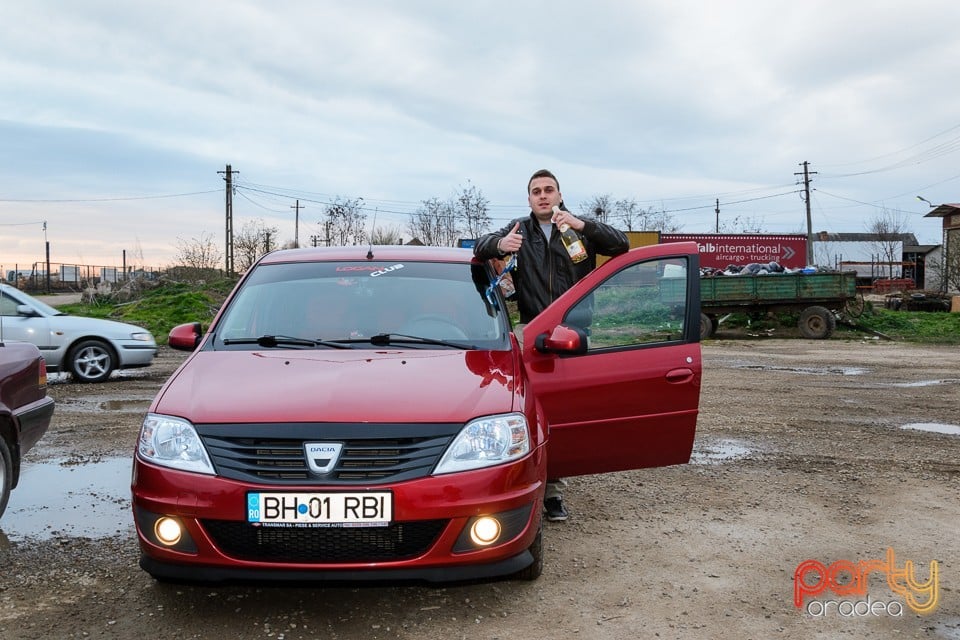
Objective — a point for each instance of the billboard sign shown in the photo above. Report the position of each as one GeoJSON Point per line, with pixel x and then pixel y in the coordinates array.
{"type": "Point", "coordinates": [718, 251]}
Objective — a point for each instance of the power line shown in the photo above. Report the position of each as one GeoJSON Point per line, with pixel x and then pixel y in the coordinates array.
{"type": "Point", "coordinates": [116, 199]}
{"type": "Point", "coordinates": [893, 153]}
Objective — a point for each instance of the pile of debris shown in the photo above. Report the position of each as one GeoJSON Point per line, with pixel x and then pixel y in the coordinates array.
{"type": "Point", "coordinates": [918, 301]}
{"type": "Point", "coordinates": [757, 269]}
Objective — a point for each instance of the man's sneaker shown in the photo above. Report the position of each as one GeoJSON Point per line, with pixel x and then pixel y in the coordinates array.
{"type": "Point", "coordinates": [554, 510]}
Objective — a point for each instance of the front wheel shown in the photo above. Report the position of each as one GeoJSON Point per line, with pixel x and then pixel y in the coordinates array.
{"type": "Point", "coordinates": [536, 568]}
{"type": "Point", "coordinates": [816, 323]}
{"type": "Point", "coordinates": [91, 361]}
{"type": "Point", "coordinates": [6, 474]}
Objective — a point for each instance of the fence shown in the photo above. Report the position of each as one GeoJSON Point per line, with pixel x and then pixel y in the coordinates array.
{"type": "Point", "coordinates": [72, 277]}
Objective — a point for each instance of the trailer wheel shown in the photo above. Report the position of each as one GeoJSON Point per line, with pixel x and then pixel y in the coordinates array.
{"type": "Point", "coordinates": [855, 306]}
{"type": "Point", "coordinates": [816, 323]}
{"type": "Point", "coordinates": [708, 325]}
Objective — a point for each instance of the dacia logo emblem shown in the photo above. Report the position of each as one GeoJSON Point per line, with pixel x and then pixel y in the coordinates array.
{"type": "Point", "coordinates": [322, 457]}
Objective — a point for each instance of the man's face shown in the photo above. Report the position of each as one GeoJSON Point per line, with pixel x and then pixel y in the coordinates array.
{"type": "Point", "coordinates": [543, 197]}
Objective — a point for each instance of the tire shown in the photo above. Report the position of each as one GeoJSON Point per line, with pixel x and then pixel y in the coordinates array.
{"type": "Point", "coordinates": [816, 323]}
{"type": "Point", "coordinates": [708, 325]}
{"type": "Point", "coordinates": [91, 361]}
{"type": "Point", "coordinates": [6, 475]}
{"type": "Point", "coordinates": [536, 568]}
{"type": "Point", "coordinates": [855, 306]}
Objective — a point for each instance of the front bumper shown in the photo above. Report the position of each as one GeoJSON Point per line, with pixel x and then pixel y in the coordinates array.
{"type": "Point", "coordinates": [134, 355]}
{"type": "Point", "coordinates": [426, 539]}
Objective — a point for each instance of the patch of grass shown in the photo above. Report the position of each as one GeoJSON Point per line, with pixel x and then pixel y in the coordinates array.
{"type": "Point", "coordinates": [161, 308]}
{"type": "Point", "coordinates": [930, 327]}
{"type": "Point", "coordinates": [933, 327]}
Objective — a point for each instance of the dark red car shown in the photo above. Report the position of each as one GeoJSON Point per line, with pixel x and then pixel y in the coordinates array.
{"type": "Point", "coordinates": [353, 415]}
{"type": "Point", "coordinates": [25, 409]}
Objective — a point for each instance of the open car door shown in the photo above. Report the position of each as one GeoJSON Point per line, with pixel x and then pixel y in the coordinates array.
{"type": "Point", "coordinates": [615, 364]}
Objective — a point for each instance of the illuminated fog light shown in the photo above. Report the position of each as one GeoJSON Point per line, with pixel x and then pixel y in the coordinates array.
{"type": "Point", "coordinates": [485, 531]}
{"type": "Point", "coordinates": [168, 531]}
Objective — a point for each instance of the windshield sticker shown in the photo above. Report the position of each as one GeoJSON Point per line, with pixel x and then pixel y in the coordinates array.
{"type": "Point", "coordinates": [374, 271]}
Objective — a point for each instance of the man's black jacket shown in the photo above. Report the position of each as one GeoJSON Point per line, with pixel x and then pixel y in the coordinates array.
{"type": "Point", "coordinates": [544, 269]}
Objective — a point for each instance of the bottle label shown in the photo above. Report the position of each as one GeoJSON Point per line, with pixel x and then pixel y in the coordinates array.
{"type": "Point", "coordinates": [576, 251]}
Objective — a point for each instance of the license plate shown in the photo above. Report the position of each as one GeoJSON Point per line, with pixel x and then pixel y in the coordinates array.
{"type": "Point", "coordinates": [359, 509]}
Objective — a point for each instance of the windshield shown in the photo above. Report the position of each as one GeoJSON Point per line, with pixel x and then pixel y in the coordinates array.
{"type": "Point", "coordinates": [359, 303]}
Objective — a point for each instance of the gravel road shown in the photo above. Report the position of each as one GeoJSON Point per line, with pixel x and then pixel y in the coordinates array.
{"type": "Point", "coordinates": [806, 450]}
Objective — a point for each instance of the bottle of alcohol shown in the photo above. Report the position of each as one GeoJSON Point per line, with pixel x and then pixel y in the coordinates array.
{"type": "Point", "coordinates": [572, 241]}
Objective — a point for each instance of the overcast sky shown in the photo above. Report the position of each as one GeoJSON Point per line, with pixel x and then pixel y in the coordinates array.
{"type": "Point", "coordinates": [117, 119]}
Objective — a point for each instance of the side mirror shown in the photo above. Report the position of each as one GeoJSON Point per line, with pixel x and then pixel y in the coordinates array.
{"type": "Point", "coordinates": [563, 340]}
{"type": "Point", "coordinates": [27, 310]}
{"type": "Point", "coordinates": [185, 337]}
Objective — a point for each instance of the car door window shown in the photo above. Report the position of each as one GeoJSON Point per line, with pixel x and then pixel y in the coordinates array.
{"type": "Point", "coordinates": [8, 306]}
{"type": "Point", "coordinates": [642, 304]}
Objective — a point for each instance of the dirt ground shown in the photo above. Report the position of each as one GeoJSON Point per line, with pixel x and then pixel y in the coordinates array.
{"type": "Point", "coordinates": [800, 455]}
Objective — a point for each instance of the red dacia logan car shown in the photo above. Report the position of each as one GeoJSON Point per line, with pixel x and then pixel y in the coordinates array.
{"type": "Point", "coordinates": [356, 413]}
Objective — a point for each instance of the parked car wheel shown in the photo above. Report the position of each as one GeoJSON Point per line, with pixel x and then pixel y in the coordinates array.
{"type": "Point", "coordinates": [816, 323]}
{"type": "Point", "coordinates": [91, 361]}
{"type": "Point", "coordinates": [6, 474]}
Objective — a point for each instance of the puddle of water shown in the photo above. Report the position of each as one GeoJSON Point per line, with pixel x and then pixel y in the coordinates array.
{"type": "Point", "coordinates": [127, 404]}
{"type": "Point", "coordinates": [86, 500]}
{"type": "Point", "coordinates": [923, 383]}
{"type": "Point", "coordinates": [718, 452]}
{"type": "Point", "coordinates": [807, 371]}
{"type": "Point", "coordinates": [934, 427]}
{"type": "Point", "coordinates": [62, 377]}
{"type": "Point", "coordinates": [948, 628]}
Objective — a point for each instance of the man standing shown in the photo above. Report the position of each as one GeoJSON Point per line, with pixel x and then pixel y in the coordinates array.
{"type": "Point", "coordinates": [544, 268]}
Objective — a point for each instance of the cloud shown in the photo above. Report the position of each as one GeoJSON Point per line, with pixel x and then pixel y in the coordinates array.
{"type": "Point", "coordinates": [675, 104]}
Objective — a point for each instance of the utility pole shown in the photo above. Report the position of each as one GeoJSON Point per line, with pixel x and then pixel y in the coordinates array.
{"type": "Point", "coordinates": [296, 225]}
{"type": "Point", "coordinates": [718, 215]}
{"type": "Point", "coordinates": [806, 197]}
{"type": "Point", "coordinates": [229, 201]}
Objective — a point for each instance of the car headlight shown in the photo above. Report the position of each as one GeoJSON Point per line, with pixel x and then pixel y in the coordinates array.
{"type": "Point", "coordinates": [142, 336]}
{"type": "Point", "coordinates": [173, 442]}
{"type": "Point", "coordinates": [486, 442]}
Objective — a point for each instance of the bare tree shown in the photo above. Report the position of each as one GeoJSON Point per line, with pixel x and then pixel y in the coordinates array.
{"type": "Point", "coordinates": [889, 227]}
{"type": "Point", "coordinates": [628, 214]}
{"type": "Point", "coordinates": [345, 222]}
{"type": "Point", "coordinates": [598, 207]}
{"type": "Point", "coordinates": [385, 236]}
{"type": "Point", "coordinates": [196, 259]}
{"type": "Point", "coordinates": [742, 224]}
{"type": "Point", "coordinates": [945, 273]}
{"type": "Point", "coordinates": [470, 209]}
{"type": "Point", "coordinates": [434, 223]}
{"type": "Point", "coordinates": [254, 239]}
{"type": "Point", "coordinates": [198, 253]}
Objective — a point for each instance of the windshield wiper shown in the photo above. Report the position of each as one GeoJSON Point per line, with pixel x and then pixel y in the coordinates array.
{"type": "Point", "coordinates": [383, 339]}
{"type": "Point", "coordinates": [271, 341]}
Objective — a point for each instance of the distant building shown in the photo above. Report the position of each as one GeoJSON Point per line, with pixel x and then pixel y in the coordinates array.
{"type": "Point", "coordinates": [876, 256]}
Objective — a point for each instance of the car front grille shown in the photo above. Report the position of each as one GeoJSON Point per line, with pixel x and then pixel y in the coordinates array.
{"type": "Point", "coordinates": [372, 453]}
{"type": "Point", "coordinates": [399, 541]}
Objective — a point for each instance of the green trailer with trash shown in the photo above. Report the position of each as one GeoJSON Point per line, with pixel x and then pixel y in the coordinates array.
{"type": "Point", "coordinates": [819, 298]}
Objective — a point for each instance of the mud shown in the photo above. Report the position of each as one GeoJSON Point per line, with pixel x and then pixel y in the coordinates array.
{"type": "Point", "coordinates": [806, 450]}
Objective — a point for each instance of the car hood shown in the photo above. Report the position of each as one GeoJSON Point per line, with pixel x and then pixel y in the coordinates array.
{"type": "Point", "coordinates": [340, 386]}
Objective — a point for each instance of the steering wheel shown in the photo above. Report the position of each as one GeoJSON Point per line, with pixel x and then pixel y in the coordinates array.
{"type": "Point", "coordinates": [432, 325]}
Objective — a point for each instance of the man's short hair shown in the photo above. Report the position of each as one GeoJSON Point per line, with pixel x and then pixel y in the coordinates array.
{"type": "Point", "coordinates": [542, 173]}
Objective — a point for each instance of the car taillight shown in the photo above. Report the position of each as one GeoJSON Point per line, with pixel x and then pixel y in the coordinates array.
{"type": "Point", "coordinates": [43, 373]}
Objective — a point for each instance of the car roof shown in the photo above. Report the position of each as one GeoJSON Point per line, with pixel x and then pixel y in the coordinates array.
{"type": "Point", "coordinates": [377, 252]}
